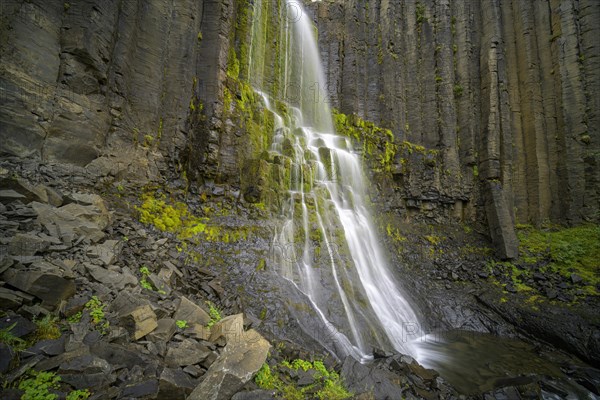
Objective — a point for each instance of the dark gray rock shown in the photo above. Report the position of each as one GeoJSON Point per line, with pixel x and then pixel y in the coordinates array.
{"type": "Point", "coordinates": [174, 384]}
{"type": "Point", "coordinates": [184, 353]}
{"type": "Point", "coordinates": [50, 288]}
{"type": "Point", "coordinates": [6, 357]}
{"type": "Point", "coordinates": [20, 326]}
{"type": "Point", "coordinates": [146, 388]}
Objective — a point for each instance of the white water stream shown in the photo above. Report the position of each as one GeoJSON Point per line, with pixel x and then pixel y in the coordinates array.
{"type": "Point", "coordinates": [327, 245]}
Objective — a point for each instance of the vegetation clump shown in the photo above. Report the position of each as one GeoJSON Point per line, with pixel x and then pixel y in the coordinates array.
{"type": "Point", "coordinates": [327, 383]}
{"type": "Point", "coordinates": [215, 314]}
{"type": "Point", "coordinates": [564, 251]}
{"type": "Point", "coordinates": [43, 385]}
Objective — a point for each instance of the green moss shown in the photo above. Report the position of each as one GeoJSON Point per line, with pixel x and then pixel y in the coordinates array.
{"type": "Point", "coordinates": [420, 13]}
{"type": "Point", "coordinates": [233, 65]}
{"type": "Point", "coordinates": [458, 90]}
{"type": "Point", "coordinates": [327, 386]}
{"type": "Point", "coordinates": [215, 314]}
{"type": "Point", "coordinates": [566, 250]}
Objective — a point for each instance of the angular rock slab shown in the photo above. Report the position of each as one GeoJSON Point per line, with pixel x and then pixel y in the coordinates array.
{"type": "Point", "coordinates": [50, 288]}
{"type": "Point", "coordinates": [238, 363]}
{"type": "Point", "coordinates": [140, 322]}
{"type": "Point", "coordinates": [191, 313]}
{"type": "Point", "coordinates": [73, 220]}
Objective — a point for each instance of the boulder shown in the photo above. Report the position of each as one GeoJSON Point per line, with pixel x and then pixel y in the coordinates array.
{"type": "Point", "coordinates": [164, 331]}
{"type": "Point", "coordinates": [230, 328]}
{"type": "Point", "coordinates": [29, 192]}
{"type": "Point", "coordinates": [106, 252]}
{"type": "Point", "coordinates": [112, 279]}
{"type": "Point", "coordinates": [50, 288]}
{"type": "Point", "coordinates": [27, 244]}
{"type": "Point", "coordinates": [190, 312]}
{"type": "Point", "coordinates": [140, 321]}
{"type": "Point", "coordinates": [174, 384]}
{"type": "Point", "coordinates": [237, 364]}
{"type": "Point", "coordinates": [140, 390]}
{"type": "Point", "coordinates": [188, 352]}
{"type": "Point", "coordinates": [72, 221]}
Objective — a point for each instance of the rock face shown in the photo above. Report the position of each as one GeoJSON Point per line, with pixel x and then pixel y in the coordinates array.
{"type": "Point", "coordinates": [508, 92]}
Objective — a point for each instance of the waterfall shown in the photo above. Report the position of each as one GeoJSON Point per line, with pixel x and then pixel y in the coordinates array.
{"type": "Point", "coordinates": [327, 247]}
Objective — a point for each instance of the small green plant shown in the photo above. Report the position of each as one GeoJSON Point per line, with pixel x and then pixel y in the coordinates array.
{"type": "Point", "coordinates": [8, 338]}
{"type": "Point", "coordinates": [96, 310]}
{"type": "Point", "coordinates": [420, 13]}
{"type": "Point", "coordinates": [47, 328]}
{"type": "Point", "coordinates": [79, 395]}
{"type": "Point", "coordinates": [148, 140]}
{"type": "Point", "coordinates": [215, 314]}
{"type": "Point", "coordinates": [144, 281]}
{"type": "Point", "coordinates": [181, 323]}
{"type": "Point", "coordinates": [37, 386]}
{"type": "Point", "coordinates": [327, 386]}
{"type": "Point", "coordinates": [458, 90]}
{"type": "Point", "coordinates": [75, 318]}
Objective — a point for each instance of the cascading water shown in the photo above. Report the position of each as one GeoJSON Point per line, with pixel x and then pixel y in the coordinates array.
{"type": "Point", "coordinates": [327, 246]}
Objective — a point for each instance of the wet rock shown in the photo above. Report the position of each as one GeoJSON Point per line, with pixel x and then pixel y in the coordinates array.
{"type": "Point", "coordinates": [188, 352]}
{"type": "Point", "coordinates": [361, 378]}
{"type": "Point", "coordinates": [190, 312]}
{"type": "Point", "coordinates": [50, 288]}
{"type": "Point", "coordinates": [238, 363]}
{"type": "Point", "coordinates": [174, 384]}
{"type": "Point", "coordinates": [139, 322]}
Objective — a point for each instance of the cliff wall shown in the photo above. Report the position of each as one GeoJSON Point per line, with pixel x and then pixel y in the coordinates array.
{"type": "Point", "coordinates": [506, 90]}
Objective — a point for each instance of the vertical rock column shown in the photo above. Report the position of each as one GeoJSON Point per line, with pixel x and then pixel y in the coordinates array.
{"type": "Point", "coordinates": [495, 131]}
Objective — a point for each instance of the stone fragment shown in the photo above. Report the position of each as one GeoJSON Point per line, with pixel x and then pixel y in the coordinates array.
{"type": "Point", "coordinates": [140, 321]}
{"type": "Point", "coordinates": [164, 331]}
{"type": "Point", "coordinates": [237, 365]}
{"type": "Point", "coordinates": [50, 288]}
{"type": "Point", "coordinates": [231, 328]}
{"type": "Point", "coordinates": [140, 390]}
{"type": "Point", "coordinates": [190, 312]}
{"type": "Point", "coordinates": [174, 384]}
{"type": "Point", "coordinates": [105, 252]}
{"type": "Point", "coordinates": [184, 353]}
{"type": "Point", "coordinates": [72, 221]}
{"type": "Point", "coordinates": [27, 244]}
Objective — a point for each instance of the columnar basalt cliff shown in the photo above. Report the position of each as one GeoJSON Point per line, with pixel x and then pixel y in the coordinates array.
{"type": "Point", "coordinates": [506, 90]}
